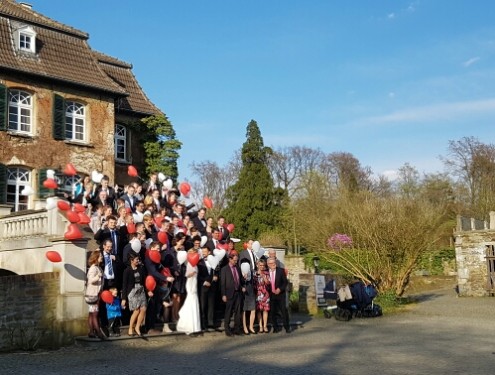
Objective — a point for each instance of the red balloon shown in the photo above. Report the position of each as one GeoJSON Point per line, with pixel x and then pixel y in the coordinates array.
{"type": "Point", "coordinates": [150, 283]}
{"type": "Point", "coordinates": [131, 228]}
{"type": "Point", "coordinates": [50, 183]}
{"type": "Point", "coordinates": [70, 170]}
{"type": "Point", "coordinates": [207, 202]}
{"type": "Point", "coordinates": [53, 256]}
{"type": "Point", "coordinates": [79, 207]}
{"type": "Point", "coordinates": [193, 258]}
{"type": "Point", "coordinates": [230, 228]}
{"type": "Point", "coordinates": [185, 188]}
{"type": "Point", "coordinates": [63, 205]}
{"type": "Point", "coordinates": [107, 297]}
{"type": "Point", "coordinates": [132, 171]}
{"type": "Point", "coordinates": [166, 272]}
{"type": "Point", "coordinates": [162, 237]}
{"type": "Point", "coordinates": [73, 216]}
{"type": "Point", "coordinates": [155, 256]}
{"type": "Point", "coordinates": [83, 218]}
{"type": "Point", "coordinates": [73, 232]}
{"type": "Point", "coordinates": [158, 220]}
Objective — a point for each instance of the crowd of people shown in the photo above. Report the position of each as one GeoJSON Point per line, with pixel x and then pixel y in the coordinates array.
{"type": "Point", "coordinates": [197, 277]}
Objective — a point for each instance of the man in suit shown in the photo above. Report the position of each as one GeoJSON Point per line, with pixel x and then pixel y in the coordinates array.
{"type": "Point", "coordinates": [279, 283]}
{"type": "Point", "coordinates": [199, 220]}
{"type": "Point", "coordinates": [249, 255]}
{"type": "Point", "coordinates": [230, 288]}
{"type": "Point", "coordinates": [129, 198]}
{"type": "Point", "coordinates": [224, 232]}
{"type": "Point", "coordinates": [207, 287]}
{"type": "Point", "coordinates": [108, 190]}
{"type": "Point", "coordinates": [213, 241]}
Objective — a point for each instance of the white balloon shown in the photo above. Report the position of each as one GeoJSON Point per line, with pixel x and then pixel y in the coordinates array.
{"type": "Point", "coordinates": [99, 177]}
{"type": "Point", "coordinates": [213, 261]}
{"type": "Point", "coordinates": [50, 173]}
{"type": "Point", "coordinates": [260, 252]}
{"type": "Point", "coordinates": [246, 268]}
{"type": "Point", "coordinates": [148, 242]}
{"type": "Point", "coordinates": [28, 190]}
{"type": "Point", "coordinates": [94, 176]}
{"type": "Point", "coordinates": [219, 254]}
{"type": "Point", "coordinates": [203, 240]}
{"type": "Point", "coordinates": [136, 245]}
{"type": "Point", "coordinates": [168, 183]}
{"type": "Point", "coordinates": [181, 256]}
{"type": "Point", "coordinates": [161, 177]}
{"type": "Point", "coordinates": [51, 203]}
{"type": "Point", "coordinates": [256, 246]}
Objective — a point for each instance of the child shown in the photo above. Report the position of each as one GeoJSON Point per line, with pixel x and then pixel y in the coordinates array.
{"type": "Point", "coordinates": [114, 314]}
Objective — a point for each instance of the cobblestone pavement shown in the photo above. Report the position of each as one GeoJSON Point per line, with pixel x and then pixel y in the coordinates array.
{"type": "Point", "coordinates": [442, 334]}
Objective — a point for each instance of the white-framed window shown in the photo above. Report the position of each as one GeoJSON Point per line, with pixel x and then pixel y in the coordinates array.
{"type": "Point", "coordinates": [75, 122]}
{"type": "Point", "coordinates": [67, 184]}
{"type": "Point", "coordinates": [17, 179]}
{"type": "Point", "coordinates": [120, 142]}
{"type": "Point", "coordinates": [20, 111]}
{"type": "Point", "coordinates": [26, 39]}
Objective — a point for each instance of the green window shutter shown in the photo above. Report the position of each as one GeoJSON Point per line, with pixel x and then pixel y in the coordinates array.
{"type": "Point", "coordinates": [58, 117]}
{"type": "Point", "coordinates": [3, 184]}
{"type": "Point", "coordinates": [3, 107]}
{"type": "Point", "coordinates": [43, 192]}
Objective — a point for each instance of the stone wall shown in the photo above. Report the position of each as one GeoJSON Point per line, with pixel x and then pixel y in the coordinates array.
{"type": "Point", "coordinates": [470, 249]}
{"type": "Point", "coordinates": [40, 150]}
{"type": "Point", "coordinates": [307, 292]}
{"type": "Point", "coordinates": [29, 309]}
{"type": "Point", "coordinates": [295, 266]}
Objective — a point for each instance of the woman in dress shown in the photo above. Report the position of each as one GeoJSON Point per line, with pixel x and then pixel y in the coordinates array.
{"type": "Point", "coordinates": [262, 285]}
{"type": "Point", "coordinates": [134, 294]}
{"type": "Point", "coordinates": [93, 289]}
{"type": "Point", "coordinates": [189, 315]}
{"type": "Point", "coordinates": [249, 305]}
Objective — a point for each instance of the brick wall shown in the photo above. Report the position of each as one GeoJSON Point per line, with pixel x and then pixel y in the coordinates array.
{"type": "Point", "coordinates": [28, 312]}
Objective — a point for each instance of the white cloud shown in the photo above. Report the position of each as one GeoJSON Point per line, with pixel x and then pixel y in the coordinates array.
{"type": "Point", "coordinates": [391, 95]}
{"type": "Point", "coordinates": [446, 111]}
{"type": "Point", "coordinates": [471, 61]}
{"type": "Point", "coordinates": [390, 175]}
{"type": "Point", "coordinates": [391, 16]}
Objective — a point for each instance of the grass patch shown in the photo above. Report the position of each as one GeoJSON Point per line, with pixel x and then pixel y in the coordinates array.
{"type": "Point", "coordinates": [390, 303]}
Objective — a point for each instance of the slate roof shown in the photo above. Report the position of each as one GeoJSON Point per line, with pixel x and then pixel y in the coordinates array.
{"type": "Point", "coordinates": [121, 73]}
{"type": "Point", "coordinates": [63, 54]}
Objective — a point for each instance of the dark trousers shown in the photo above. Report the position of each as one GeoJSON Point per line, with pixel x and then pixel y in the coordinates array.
{"type": "Point", "coordinates": [207, 297]}
{"type": "Point", "coordinates": [233, 306]}
{"type": "Point", "coordinates": [278, 307]}
{"type": "Point", "coordinates": [154, 304]}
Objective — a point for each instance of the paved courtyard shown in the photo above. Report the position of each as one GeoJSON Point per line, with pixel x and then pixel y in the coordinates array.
{"type": "Point", "coordinates": [442, 334]}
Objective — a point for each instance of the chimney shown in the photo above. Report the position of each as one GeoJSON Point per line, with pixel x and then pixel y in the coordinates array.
{"type": "Point", "coordinates": [26, 5]}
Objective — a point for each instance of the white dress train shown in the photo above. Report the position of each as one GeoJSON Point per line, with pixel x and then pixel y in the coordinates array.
{"type": "Point", "coordinates": [189, 315]}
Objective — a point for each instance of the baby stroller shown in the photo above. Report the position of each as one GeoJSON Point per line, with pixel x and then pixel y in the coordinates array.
{"type": "Point", "coordinates": [355, 300]}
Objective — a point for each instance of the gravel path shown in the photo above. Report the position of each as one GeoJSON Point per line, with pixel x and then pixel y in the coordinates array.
{"type": "Point", "coordinates": [442, 334]}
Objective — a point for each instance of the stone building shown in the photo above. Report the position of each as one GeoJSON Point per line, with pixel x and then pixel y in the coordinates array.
{"type": "Point", "coordinates": [62, 102]}
{"type": "Point", "coordinates": [475, 256]}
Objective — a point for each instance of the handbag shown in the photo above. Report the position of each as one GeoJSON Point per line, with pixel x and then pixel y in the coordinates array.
{"type": "Point", "coordinates": [91, 300]}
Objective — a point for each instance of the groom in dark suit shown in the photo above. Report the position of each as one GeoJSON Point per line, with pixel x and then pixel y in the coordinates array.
{"type": "Point", "coordinates": [278, 289]}
{"type": "Point", "coordinates": [230, 288]}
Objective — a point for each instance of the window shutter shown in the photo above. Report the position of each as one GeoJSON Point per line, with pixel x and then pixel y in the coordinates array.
{"type": "Point", "coordinates": [3, 107]}
{"type": "Point", "coordinates": [43, 192]}
{"type": "Point", "coordinates": [3, 184]}
{"type": "Point", "coordinates": [58, 117]}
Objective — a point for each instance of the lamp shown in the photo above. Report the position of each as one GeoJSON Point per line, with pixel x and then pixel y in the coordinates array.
{"type": "Point", "coordinates": [316, 263]}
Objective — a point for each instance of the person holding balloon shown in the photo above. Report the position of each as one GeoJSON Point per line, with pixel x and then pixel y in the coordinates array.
{"type": "Point", "coordinates": [134, 294]}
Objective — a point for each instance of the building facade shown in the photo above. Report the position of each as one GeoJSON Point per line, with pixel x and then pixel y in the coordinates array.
{"type": "Point", "coordinates": [62, 102]}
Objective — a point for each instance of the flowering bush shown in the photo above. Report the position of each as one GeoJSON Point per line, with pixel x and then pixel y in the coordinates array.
{"type": "Point", "coordinates": [339, 241]}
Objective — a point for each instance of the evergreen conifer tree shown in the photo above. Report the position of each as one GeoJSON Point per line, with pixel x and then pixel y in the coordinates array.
{"type": "Point", "coordinates": [254, 205]}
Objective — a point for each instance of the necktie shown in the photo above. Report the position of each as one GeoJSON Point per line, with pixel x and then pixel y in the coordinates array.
{"type": "Point", "coordinates": [236, 277]}
{"type": "Point", "coordinates": [114, 242]}
{"type": "Point", "coordinates": [272, 277]}
{"type": "Point", "coordinates": [108, 262]}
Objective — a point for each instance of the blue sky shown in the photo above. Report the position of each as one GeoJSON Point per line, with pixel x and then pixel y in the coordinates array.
{"type": "Point", "coordinates": [388, 81]}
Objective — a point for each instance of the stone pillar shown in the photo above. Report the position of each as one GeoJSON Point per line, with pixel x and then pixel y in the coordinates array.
{"type": "Point", "coordinates": [5, 209]}
{"type": "Point", "coordinates": [492, 220]}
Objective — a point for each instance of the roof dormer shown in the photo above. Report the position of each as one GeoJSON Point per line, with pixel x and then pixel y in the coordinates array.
{"type": "Point", "coordinates": [25, 39]}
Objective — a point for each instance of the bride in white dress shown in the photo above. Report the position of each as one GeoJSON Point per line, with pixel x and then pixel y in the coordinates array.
{"type": "Point", "coordinates": [189, 315]}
